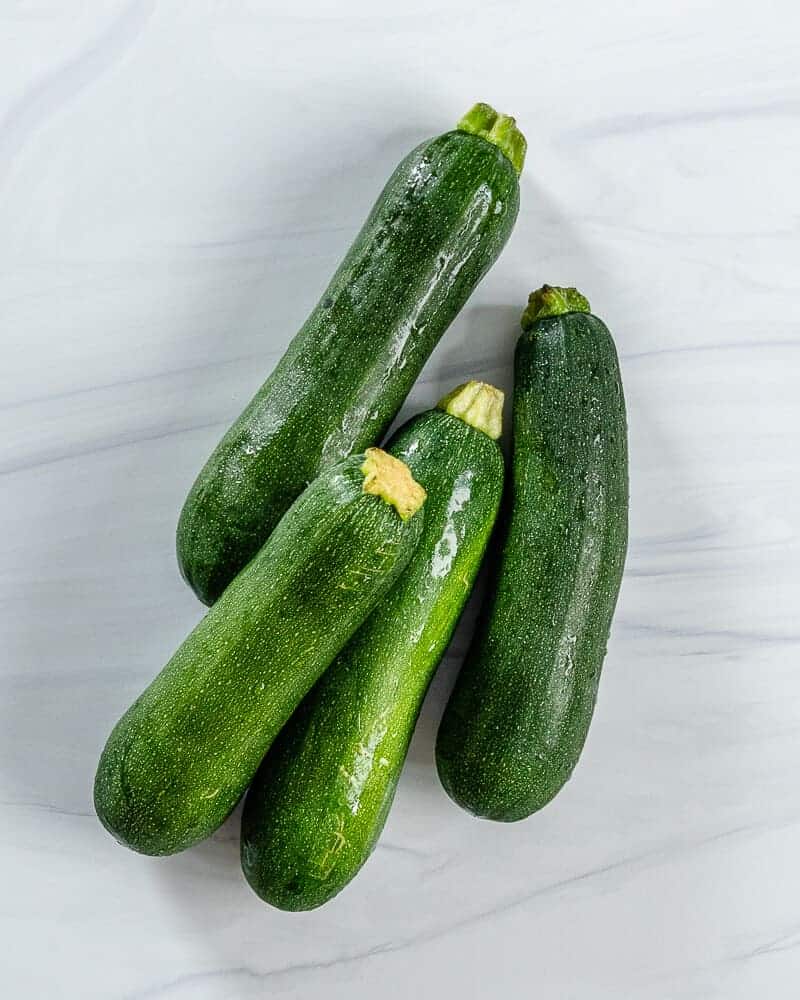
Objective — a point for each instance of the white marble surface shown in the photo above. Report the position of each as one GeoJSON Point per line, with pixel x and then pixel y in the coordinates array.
{"type": "Point", "coordinates": [177, 182]}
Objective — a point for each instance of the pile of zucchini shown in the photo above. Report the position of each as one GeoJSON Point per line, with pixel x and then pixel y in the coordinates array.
{"type": "Point", "coordinates": [337, 570]}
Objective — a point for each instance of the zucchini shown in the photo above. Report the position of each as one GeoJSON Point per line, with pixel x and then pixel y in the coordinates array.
{"type": "Point", "coordinates": [319, 801]}
{"type": "Point", "coordinates": [518, 717]}
{"type": "Point", "coordinates": [435, 230]}
{"type": "Point", "coordinates": [182, 755]}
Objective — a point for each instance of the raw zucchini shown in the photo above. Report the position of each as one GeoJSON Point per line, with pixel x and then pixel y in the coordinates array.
{"type": "Point", "coordinates": [182, 755]}
{"type": "Point", "coordinates": [319, 801]}
{"type": "Point", "coordinates": [437, 227]}
{"type": "Point", "coordinates": [519, 714]}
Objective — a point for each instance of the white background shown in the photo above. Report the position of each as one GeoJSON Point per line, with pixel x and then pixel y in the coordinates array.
{"type": "Point", "coordinates": [177, 183]}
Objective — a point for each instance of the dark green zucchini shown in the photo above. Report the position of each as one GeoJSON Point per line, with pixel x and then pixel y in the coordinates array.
{"type": "Point", "coordinates": [319, 801]}
{"type": "Point", "coordinates": [519, 714]}
{"type": "Point", "coordinates": [183, 754]}
{"type": "Point", "coordinates": [437, 227]}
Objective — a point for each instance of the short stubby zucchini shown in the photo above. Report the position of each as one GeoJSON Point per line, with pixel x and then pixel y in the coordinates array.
{"type": "Point", "coordinates": [179, 759]}
{"type": "Point", "coordinates": [319, 801]}
{"type": "Point", "coordinates": [520, 711]}
{"type": "Point", "coordinates": [437, 227]}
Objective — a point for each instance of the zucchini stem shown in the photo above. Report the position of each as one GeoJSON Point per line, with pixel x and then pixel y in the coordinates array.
{"type": "Point", "coordinates": [550, 301]}
{"type": "Point", "coordinates": [478, 404]}
{"type": "Point", "coordinates": [500, 130]}
{"type": "Point", "coordinates": [390, 479]}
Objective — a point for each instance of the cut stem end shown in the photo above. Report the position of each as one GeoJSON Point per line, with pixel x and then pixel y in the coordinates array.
{"type": "Point", "coordinates": [478, 404]}
{"type": "Point", "coordinates": [390, 479]}
{"type": "Point", "coordinates": [500, 130]}
{"type": "Point", "coordinates": [550, 301]}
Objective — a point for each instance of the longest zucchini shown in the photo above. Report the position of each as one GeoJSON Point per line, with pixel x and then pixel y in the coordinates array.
{"type": "Point", "coordinates": [319, 801]}
{"type": "Point", "coordinates": [519, 714]}
{"type": "Point", "coordinates": [437, 227]}
{"type": "Point", "coordinates": [181, 756]}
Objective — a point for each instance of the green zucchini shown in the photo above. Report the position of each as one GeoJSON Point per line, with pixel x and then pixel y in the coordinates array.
{"type": "Point", "coordinates": [182, 755]}
{"type": "Point", "coordinates": [319, 801]}
{"type": "Point", "coordinates": [437, 227]}
{"type": "Point", "coordinates": [518, 717]}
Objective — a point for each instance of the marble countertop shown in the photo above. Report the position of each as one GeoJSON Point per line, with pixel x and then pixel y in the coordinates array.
{"type": "Point", "coordinates": [177, 183]}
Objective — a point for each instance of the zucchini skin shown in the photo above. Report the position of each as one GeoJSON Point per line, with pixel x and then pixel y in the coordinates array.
{"type": "Point", "coordinates": [519, 714]}
{"type": "Point", "coordinates": [435, 230]}
{"type": "Point", "coordinates": [180, 758]}
{"type": "Point", "coordinates": [318, 804]}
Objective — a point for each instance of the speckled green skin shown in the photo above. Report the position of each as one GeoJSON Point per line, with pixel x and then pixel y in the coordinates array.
{"type": "Point", "coordinates": [182, 755]}
{"type": "Point", "coordinates": [438, 226]}
{"type": "Point", "coordinates": [319, 801]}
{"type": "Point", "coordinates": [520, 711]}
